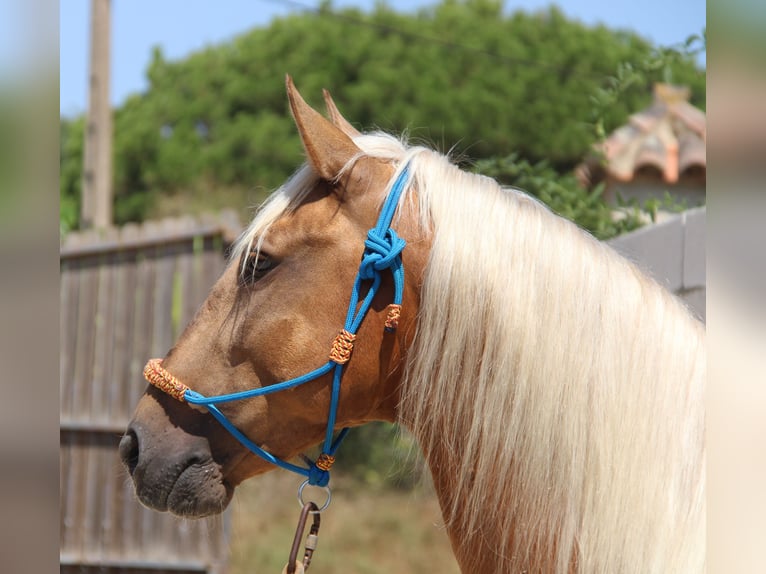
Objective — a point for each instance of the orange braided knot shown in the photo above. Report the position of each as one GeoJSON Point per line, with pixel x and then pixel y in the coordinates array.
{"type": "Point", "coordinates": [392, 320]}
{"type": "Point", "coordinates": [325, 461]}
{"type": "Point", "coordinates": [163, 380]}
{"type": "Point", "coordinates": [342, 347]}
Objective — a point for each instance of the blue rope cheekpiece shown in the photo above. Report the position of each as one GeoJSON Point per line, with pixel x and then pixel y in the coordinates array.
{"type": "Point", "coordinates": [382, 251]}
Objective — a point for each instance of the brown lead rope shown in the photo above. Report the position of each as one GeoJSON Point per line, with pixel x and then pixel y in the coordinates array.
{"type": "Point", "coordinates": [293, 566]}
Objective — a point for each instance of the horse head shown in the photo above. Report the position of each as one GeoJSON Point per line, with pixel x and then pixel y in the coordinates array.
{"type": "Point", "coordinates": [271, 317]}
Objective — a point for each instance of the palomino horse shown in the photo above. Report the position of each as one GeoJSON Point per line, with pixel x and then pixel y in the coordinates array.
{"type": "Point", "coordinates": [556, 392]}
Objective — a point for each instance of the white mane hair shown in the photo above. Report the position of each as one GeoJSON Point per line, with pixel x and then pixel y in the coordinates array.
{"type": "Point", "coordinates": [555, 390]}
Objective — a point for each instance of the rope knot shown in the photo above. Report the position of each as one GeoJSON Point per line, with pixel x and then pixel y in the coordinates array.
{"type": "Point", "coordinates": [392, 319]}
{"type": "Point", "coordinates": [318, 477]}
{"type": "Point", "coordinates": [380, 252]}
{"type": "Point", "coordinates": [325, 461]}
{"type": "Point", "coordinates": [158, 376]}
{"type": "Point", "coordinates": [342, 347]}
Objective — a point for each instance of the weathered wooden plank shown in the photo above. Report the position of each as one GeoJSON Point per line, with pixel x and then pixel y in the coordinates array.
{"type": "Point", "coordinates": [104, 333]}
{"type": "Point", "coordinates": [81, 387]}
{"type": "Point", "coordinates": [73, 501]}
{"type": "Point", "coordinates": [110, 534]}
{"type": "Point", "coordinates": [81, 425]}
{"type": "Point", "coordinates": [187, 537]}
{"type": "Point", "coordinates": [162, 327]}
{"type": "Point", "coordinates": [129, 521]}
{"type": "Point", "coordinates": [143, 318]}
{"type": "Point", "coordinates": [184, 285]}
{"type": "Point", "coordinates": [69, 299]}
{"type": "Point", "coordinates": [155, 542]}
{"type": "Point", "coordinates": [225, 224]}
{"type": "Point", "coordinates": [89, 248]}
{"type": "Point", "coordinates": [215, 532]}
{"type": "Point", "coordinates": [201, 285]}
{"type": "Point", "coordinates": [66, 494]}
{"type": "Point", "coordinates": [93, 496]}
{"type": "Point", "coordinates": [126, 264]}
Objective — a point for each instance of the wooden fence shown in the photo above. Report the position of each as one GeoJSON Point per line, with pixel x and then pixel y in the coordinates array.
{"type": "Point", "coordinates": [125, 296]}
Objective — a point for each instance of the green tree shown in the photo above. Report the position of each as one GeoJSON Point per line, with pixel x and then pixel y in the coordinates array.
{"type": "Point", "coordinates": [563, 194]}
{"type": "Point", "coordinates": [463, 74]}
{"type": "Point", "coordinates": [71, 150]}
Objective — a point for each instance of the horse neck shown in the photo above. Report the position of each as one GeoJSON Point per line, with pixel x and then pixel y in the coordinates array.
{"type": "Point", "coordinates": [484, 547]}
{"type": "Point", "coordinates": [544, 503]}
{"type": "Point", "coordinates": [557, 397]}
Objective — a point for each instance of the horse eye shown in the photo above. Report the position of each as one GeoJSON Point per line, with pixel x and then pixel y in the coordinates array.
{"type": "Point", "coordinates": [256, 266]}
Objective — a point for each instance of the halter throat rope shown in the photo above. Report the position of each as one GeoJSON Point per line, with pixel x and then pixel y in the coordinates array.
{"type": "Point", "coordinates": [382, 251]}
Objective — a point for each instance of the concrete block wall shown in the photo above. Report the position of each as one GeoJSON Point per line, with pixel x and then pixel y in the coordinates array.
{"type": "Point", "coordinates": [673, 252]}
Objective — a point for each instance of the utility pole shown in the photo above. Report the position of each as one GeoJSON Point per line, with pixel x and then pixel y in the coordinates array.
{"type": "Point", "coordinates": [97, 170]}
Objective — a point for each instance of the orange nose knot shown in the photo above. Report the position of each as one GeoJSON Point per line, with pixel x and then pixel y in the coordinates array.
{"type": "Point", "coordinates": [325, 461]}
{"type": "Point", "coordinates": [342, 347]}
{"type": "Point", "coordinates": [163, 380]}
{"type": "Point", "coordinates": [392, 320]}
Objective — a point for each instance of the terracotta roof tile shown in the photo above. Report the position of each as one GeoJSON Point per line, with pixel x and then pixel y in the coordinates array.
{"type": "Point", "coordinates": [669, 135]}
{"type": "Point", "coordinates": [691, 151]}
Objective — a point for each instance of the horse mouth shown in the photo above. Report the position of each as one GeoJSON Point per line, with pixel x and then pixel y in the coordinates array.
{"type": "Point", "coordinates": [199, 490]}
{"type": "Point", "coordinates": [191, 485]}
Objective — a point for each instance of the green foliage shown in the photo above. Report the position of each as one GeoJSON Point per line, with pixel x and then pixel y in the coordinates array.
{"type": "Point", "coordinates": [653, 206]}
{"type": "Point", "coordinates": [380, 454]}
{"type": "Point", "coordinates": [562, 193]}
{"type": "Point", "coordinates": [71, 145]}
{"type": "Point", "coordinates": [458, 73]}
{"type": "Point", "coordinates": [665, 62]}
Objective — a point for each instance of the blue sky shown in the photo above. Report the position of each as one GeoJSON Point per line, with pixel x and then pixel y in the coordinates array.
{"type": "Point", "coordinates": [183, 26]}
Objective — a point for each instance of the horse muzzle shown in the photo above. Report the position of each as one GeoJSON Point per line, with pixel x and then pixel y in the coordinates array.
{"type": "Point", "coordinates": [176, 474]}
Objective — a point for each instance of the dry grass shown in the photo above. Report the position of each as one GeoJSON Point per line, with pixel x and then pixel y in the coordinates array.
{"type": "Point", "coordinates": [362, 532]}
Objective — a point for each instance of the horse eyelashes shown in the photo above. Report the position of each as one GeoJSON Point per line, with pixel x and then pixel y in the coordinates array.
{"type": "Point", "coordinates": [256, 266]}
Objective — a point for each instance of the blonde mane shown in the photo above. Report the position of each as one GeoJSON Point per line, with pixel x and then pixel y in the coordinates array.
{"type": "Point", "coordinates": [555, 390]}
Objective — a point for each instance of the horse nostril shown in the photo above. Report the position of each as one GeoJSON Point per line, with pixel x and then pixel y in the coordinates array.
{"type": "Point", "coordinates": [129, 450]}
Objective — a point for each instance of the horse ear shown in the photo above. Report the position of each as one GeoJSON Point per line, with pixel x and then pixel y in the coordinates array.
{"type": "Point", "coordinates": [327, 147]}
{"type": "Point", "coordinates": [337, 118]}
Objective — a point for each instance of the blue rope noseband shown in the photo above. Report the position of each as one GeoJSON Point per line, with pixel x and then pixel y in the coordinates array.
{"type": "Point", "coordinates": [382, 251]}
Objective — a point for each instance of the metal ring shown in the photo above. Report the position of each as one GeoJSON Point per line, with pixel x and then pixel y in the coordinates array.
{"type": "Point", "coordinates": [326, 502]}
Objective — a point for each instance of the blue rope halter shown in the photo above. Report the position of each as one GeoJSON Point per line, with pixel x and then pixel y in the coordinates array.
{"type": "Point", "coordinates": [382, 251]}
